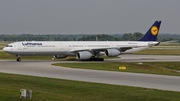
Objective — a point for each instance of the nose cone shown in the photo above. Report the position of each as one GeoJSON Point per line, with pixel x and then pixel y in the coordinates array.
{"type": "Point", "coordinates": [8, 50]}
{"type": "Point", "coordinates": [4, 49]}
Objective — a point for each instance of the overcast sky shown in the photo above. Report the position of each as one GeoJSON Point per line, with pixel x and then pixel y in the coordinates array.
{"type": "Point", "coordinates": [87, 16]}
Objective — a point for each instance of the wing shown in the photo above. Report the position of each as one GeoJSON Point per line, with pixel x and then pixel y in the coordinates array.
{"type": "Point", "coordinates": [93, 50]}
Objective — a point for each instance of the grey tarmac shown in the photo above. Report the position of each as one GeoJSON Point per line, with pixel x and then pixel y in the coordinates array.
{"type": "Point", "coordinates": [43, 68]}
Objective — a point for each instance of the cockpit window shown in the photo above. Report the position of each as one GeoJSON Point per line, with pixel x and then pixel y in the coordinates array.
{"type": "Point", "coordinates": [9, 46]}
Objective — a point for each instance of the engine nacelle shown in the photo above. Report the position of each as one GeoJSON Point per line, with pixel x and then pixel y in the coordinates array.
{"type": "Point", "coordinates": [112, 52]}
{"type": "Point", "coordinates": [59, 56]}
{"type": "Point", "coordinates": [84, 55]}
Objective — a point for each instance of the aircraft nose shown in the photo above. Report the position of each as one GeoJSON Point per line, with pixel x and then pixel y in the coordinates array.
{"type": "Point", "coordinates": [5, 49]}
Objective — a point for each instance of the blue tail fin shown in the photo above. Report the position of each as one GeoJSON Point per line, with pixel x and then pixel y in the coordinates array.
{"type": "Point", "coordinates": [152, 33]}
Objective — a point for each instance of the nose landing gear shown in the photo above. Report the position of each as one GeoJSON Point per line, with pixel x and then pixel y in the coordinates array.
{"type": "Point", "coordinates": [18, 58]}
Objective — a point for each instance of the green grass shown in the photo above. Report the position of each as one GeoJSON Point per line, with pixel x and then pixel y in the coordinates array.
{"type": "Point", "coordinates": [163, 49]}
{"type": "Point", "coordinates": [3, 44]}
{"type": "Point", "coordinates": [163, 68]}
{"type": "Point", "coordinates": [1, 47]}
{"type": "Point", "coordinates": [45, 89]}
{"type": "Point", "coordinates": [160, 51]}
{"type": "Point", "coordinates": [4, 55]}
{"type": "Point", "coordinates": [169, 44]}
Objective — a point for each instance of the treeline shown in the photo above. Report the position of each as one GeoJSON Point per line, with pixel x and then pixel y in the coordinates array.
{"type": "Point", "coordinates": [80, 37]}
{"type": "Point", "coordinates": [116, 37]}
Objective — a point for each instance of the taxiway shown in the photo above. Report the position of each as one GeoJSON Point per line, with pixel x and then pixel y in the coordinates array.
{"type": "Point", "coordinates": [45, 69]}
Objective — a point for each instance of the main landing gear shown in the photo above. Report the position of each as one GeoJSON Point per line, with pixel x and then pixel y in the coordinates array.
{"type": "Point", "coordinates": [18, 58]}
{"type": "Point", "coordinates": [96, 59]}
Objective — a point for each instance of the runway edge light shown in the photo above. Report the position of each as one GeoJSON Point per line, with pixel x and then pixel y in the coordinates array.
{"type": "Point", "coordinates": [122, 68]}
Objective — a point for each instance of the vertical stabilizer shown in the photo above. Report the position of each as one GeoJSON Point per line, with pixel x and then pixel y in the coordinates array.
{"type": "Point", "coordinates": [151, 34]}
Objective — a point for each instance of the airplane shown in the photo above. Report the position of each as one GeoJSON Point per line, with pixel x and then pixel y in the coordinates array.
{"type": "Point", "coordinates": [84, 50]}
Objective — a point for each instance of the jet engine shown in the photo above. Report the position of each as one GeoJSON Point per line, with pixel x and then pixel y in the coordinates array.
{"type": "Point", "coordinates": [84, 55]}
{"type": "Point", "coordinates": [59, 56]}
{"type": "Point", "coordinates": [112, 52]}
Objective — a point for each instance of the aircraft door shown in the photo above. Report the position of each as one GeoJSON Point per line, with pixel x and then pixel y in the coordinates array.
{"type": "Point", "coordinates": [19, 46]}
{"type": "Point", "coordinates": [61, 46]}
{"type": "Point", "coordinates": [139, 45]}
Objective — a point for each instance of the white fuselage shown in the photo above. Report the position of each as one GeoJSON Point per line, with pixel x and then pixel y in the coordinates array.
{"type": "Point", "coordinates": [69, 48]}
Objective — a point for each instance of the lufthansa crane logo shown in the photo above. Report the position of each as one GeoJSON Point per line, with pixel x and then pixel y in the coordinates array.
{"type": "Point", "coordinates": [154, 30]}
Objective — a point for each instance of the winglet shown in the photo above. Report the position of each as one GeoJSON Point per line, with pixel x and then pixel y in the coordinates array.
{"type": "Point", "coordinates": [151, 34]}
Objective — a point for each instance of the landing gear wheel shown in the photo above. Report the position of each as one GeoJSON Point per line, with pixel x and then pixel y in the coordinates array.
{"type": "Point", "coordinates": [99, 59]}
{"type": "Point", "coordinates": [18, 59]}
{"type": "Point", "coordinates": [96, 59]}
